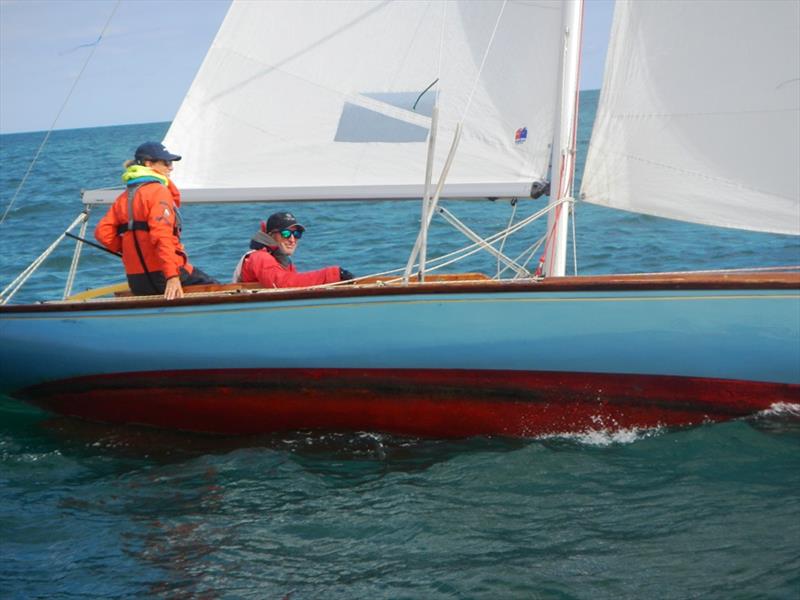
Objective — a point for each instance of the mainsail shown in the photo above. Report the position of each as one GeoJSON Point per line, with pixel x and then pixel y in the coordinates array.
{"type": "Point", "coordinates": [342, 110]}
{"type": "Point", "coordinates": [699, 116]}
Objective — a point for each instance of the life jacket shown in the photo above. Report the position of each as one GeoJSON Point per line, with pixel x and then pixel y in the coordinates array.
{"type": "Point", "coordinates": [144, 223]}
{"type": "Point", "coordinates": [133, 225]}
{"type": "Point", "coordinates": [237, 272]}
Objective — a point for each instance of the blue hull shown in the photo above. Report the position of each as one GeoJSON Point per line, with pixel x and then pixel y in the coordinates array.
{"type": "Point", "coordinates": [736, 335]}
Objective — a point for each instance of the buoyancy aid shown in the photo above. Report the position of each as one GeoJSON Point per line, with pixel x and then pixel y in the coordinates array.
{"type": "Point", "coordinates": [155, 221]}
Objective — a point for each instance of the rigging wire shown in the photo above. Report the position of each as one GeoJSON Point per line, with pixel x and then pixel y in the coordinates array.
{"type": "Point", "coordinates": [471, 249]}
{"type": "Point", "coordinates": [500, 234]}
{"type": "Point", "coordinates": [13, 287]}
{"type": "Point", "coordinates": [483, 61]}
{"type": "Point", "coordinates": [434, 200]}
{"type": "Point", "coordinates": [525, 257]}
{"type": "Point", "coordinates": [58, 116]}
{"type": "Point", "coordinates": [503, 241]}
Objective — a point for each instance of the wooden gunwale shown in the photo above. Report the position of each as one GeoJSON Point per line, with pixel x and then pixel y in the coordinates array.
{"type": "Point", "coordinates": [601, 283]}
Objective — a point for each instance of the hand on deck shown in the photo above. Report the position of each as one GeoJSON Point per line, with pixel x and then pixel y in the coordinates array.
{"type": "Point", "coordinates": [173, 289]}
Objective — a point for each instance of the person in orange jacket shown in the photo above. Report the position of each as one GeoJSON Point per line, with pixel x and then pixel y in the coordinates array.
{"type": "Point", "coordinates": [145, 225]}
{"type": "Point", "coordinates": [269, 261]}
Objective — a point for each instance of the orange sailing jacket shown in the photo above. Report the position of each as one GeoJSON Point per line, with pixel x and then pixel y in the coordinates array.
{"type": "Point", "coordinates": [157, 226]}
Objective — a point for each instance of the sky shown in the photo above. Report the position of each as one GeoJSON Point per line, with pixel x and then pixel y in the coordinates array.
{"type": "Point", "coordinates": [145, 62]}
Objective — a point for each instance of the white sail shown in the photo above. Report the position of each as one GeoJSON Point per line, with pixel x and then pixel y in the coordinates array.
{"type": "Point", "coordinates": [317, 97]}
{"type": "Point", "coordinates": [699, 116]}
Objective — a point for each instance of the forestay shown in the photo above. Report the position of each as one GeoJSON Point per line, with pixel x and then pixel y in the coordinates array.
{"type": "Point", "coordinates": [308, 100]}
{"type": "Point", "coordinates": [699, 117]}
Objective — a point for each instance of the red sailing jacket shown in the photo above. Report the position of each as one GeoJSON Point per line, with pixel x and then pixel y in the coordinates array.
{"type": "Point", "coordinates": [156, 225]}
{"type": "Point", "coordinates": [262, 267]}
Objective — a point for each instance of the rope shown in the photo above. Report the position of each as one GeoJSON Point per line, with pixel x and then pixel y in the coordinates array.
{"type": "Point", "coordinates": [466, 251]}
{"type": "Point", "coordinates": [13, 287]}
{"type": "Point", "coordinates": [430, 204]}
{"type": "Point", "coordinates": [58, 116]}
{"type": "Point", "coordinates": [532, 251]}
{"type": "Point", "coordinates": [521, 259]}
{"type": "Point", "coordinates": [505, 233]}
{"type": "Point", "coordinates": [76, 255]}
{"type": "Point", "coordinates": [503, 241]}
{"type": "Point", "coordinates": [469, 233]}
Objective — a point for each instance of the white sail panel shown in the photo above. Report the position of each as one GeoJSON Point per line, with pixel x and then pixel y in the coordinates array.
{"type": "Point", "coordinates": [699, 116]}
{"type": "Point", "coordinates": [315, 94]}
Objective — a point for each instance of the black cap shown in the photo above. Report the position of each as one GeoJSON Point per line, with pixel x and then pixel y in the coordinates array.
{"type": "Point", "coordinates": [282, 220]}
{"type": "Point", "coordinates": [154, 151]}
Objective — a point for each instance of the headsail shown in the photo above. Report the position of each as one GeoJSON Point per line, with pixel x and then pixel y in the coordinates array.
{"type": "Point", "coordinates": [699, 116]}
{"type": "Point", "coordinates": [309, 99]}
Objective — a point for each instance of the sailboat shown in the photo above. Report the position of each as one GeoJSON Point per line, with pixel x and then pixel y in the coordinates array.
{"type": "Point", "coordinates": [426, 101]}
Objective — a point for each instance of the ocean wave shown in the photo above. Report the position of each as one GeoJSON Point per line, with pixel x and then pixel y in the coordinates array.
{"type": "Point", "coordinates": [781, 409]}
{"type": "Point", "coordinates": [607, 436]}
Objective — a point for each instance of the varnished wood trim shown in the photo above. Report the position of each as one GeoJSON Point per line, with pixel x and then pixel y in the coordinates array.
{"type": "Point", "coordinates": [603, 283]}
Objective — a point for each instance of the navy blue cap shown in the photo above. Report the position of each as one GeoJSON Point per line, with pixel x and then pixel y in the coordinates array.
{"type": "Point", "coordinates": [154, 151]}
{"type": "Point", "coordinates": [282, 220]}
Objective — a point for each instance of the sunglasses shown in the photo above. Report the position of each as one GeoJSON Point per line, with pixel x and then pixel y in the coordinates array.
{"type": "Point", "coordinates": [167, 163]}
{"type": "Point", "coordinates": [287, 233]}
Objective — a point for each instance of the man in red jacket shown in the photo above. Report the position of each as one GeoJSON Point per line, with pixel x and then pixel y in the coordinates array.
{"type": "Point", "coordinates": [269, 260]}
{"type": "Point", "coordinates": [145, 225]}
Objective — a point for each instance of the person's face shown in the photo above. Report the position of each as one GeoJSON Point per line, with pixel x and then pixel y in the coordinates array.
{"type": "Point", "coordinates": [288, 244]}
{"type": "Point", "coordinates": [164, 167]}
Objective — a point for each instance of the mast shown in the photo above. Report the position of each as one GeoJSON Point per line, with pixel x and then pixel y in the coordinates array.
{"type": "Point", "coordinates": [563, 151]}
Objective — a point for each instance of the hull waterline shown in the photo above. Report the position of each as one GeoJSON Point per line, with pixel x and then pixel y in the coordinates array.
{"type": "Point", "coordinates": [446, 361]}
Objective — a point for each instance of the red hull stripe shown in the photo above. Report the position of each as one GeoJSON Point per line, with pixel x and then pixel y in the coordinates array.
{"type": "Point", "coordinates": [438, 403]}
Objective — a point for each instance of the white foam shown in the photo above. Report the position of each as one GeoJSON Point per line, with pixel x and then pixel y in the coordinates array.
{"type": "Point", "coordinates": [606, 437]}
{"type": "Point", "coordinates": [30, 457]}
{"type": "Point", "coordinates": [781, 409]}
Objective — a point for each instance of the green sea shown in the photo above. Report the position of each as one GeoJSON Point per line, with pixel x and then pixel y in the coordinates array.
{"type": "Point", "coordinates": [93, 511]}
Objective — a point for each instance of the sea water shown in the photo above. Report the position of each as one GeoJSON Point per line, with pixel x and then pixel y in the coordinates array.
{"type": "Point", "coordinates": [89, 510]}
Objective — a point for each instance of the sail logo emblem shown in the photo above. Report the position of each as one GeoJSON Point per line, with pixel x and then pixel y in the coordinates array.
{"type": "Point", "coordinates": [520, 135]}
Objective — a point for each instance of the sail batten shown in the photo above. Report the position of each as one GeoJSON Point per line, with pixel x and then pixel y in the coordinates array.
{"type": "Point", "coordinates": [699, 115]}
